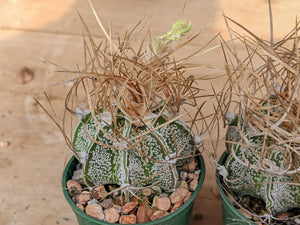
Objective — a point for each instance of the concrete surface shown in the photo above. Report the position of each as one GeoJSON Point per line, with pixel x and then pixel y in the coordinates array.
{"type": "Point", "coordinates": [31, 166]}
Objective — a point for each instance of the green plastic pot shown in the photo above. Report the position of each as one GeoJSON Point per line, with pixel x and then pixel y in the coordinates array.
{"type": "Point", "coordinates": [229, 213]}
{"type": "Point", "coordinates": [181, 216]}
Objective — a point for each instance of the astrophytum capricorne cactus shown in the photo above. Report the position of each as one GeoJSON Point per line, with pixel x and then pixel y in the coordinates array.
{"type": "Point", "coordinates": [132, 134]}
{"type": "Point", "coordinates": [261, 176]}
{"type": "Point", "coordinates": [263, 134]}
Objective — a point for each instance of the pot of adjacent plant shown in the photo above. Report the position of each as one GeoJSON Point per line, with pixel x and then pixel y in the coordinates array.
{"type": "Point", "coordinates": [259, 174]}
{"type": "Point", "coordinates": [136, 157]}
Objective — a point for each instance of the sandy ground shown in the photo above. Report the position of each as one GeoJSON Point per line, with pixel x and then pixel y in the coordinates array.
{"type": "Point", "coordinates": [32, 164]}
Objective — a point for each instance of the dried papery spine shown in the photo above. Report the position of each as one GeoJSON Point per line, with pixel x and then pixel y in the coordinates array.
{"type": "Point", "coordinates": [262, 137]}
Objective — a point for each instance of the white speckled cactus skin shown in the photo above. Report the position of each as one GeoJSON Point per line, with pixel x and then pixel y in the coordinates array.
{"type": "Point", "coordinates": [281, 191]}
{"type": "Point", "coordinates": [123, 163]}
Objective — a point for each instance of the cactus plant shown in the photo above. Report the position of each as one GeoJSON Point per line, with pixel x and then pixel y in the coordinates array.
{"type": "Point", "coordinates": [262, 135]}
{"type": "Point", "coordinates": [265, 177]}
{"type": "Point", "coordinates": [131, 134]}
{"type": "Point", "coordinates": [131, 104]}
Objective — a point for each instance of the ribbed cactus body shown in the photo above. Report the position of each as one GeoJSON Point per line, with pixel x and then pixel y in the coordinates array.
{"type": "Point", "coordinates": [265, 177]}
{"type": "Point", "coordinates": [132, 158]}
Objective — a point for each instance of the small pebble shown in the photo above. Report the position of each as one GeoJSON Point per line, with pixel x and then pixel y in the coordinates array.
{"type": "Point", "coordinates": [134, 199]}
{"type": "Point", "coordinates": [99, 192]}
{"type": "Point", "coordinates": [193, 185]}
{"type": "Point", "coordinates": [197, 172]}
{"type": "Point", "coordinates": [80, 206]}
{"type": "Point", "coordinates": [178, 195]}
{"type": "Point", "coordinates": [163, 204]}
{"type": "Point", "coordinates": [154, 201]}
{"type": "Point", "coordinates": [177, 205]}
{"type": "Point", "coordinates": [183, 184]}
{"type": "Point", "coordinates": [150, 211]}
{"type": "Point", "coordinates": [74, 187]}
{"type": "Point", "coordinates": [107, 203]}
{"type": "Point", "coordinates": [190, 167]}
{"type": "Point", "coordinates": [77, 175]}
{"type": "Point", "coordinates": [163, 195]}
{"type": "Point", "coordinates": [187, 197]}
{"type": "Point", "coordinates": [112, 215]}
{"type": "Point", "coordinates": [128, 207]}
{"type": "Point", "coordinates": [84, 197]}
{"type": "Point", "coordinates": [156, 190]}
{"type": "Point", "coordinates": [183, 175]}
{"type": "Point", "coordinates": [185, 168]}
{"type": "Point", "coordinates": [142, 215]}
{"type": "Point", "coordinates": [146, 192]}
{"type": "Point", "coordinates": [158, 214]}
{"type": "Point", "coordinates": [117, 207]}
{"type": "Point", "coordinates": [127, 219]}
{"type": "Point", "coordinates": [95, 210]}
{"type": "Point", "coordinates": [93, 201]}
{"type": "Point", "coordinates": [119, 200]}
{"type": "Point", "coordinates": [193, 176]}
